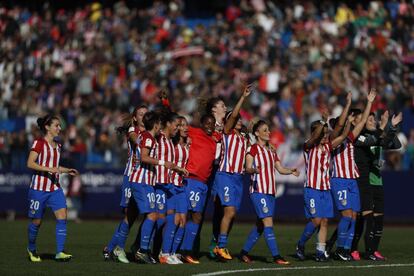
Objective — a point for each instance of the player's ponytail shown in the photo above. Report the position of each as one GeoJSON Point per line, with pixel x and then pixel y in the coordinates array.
{"type": "Point", "coordinates": [42, 122]}
{"type": "Point", "coordinates": [256, 126]}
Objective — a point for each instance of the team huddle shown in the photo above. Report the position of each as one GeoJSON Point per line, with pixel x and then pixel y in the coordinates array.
{"type": "Point", "coordinates": [174, 167]}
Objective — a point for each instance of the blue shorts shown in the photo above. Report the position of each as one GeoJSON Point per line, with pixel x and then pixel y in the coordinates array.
{"type": "Point", "coordinates": [178, 201]}
{"type": "Point", "coordinates": [318, 203]}
{"type": "Point", "coordinates": [264, 204]}
{"type": "Point", "coordinates": [163, 195]}
{"type": "Point", "coordinates": [144, 196]}
{"type": "Point", "coordinates": [39, 200]}
{"type": "Point", "coordinates": [345, 193]}
{"type": "Point", "coordinates": [125, 192]}
{"type": "Point", "coordinates": [196, 193]}
{"type": "Point", "coordinates": [229, 188]}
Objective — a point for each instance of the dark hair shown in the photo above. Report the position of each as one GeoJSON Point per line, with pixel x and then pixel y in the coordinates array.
{"type": "Point", "coordinates": [42, 122]}
{"type": "Point", "coordinates": [355, 111]}
{"type": "Point", "coordinates": [333, 122]}
{"type": "Point", "coordinates": [176, 138]}
{"type": "Point", "coordinates": [314, 125]}
{"type": "Point", "coordinates": [150, 119]}
{"type": "Point", "coordinates": [166, 116]}
{"type": "Point", "coordinates": [257, 125]}
{"type": "Point", "coordinates": [207, 116]}
{"type": "Point", "coordinates": [128, 120]}
{"type": "Point", "coordinates": [206, 105]}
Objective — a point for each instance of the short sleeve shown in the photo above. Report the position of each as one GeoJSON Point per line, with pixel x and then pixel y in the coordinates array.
{"type": "Point", "coordinates": [252, 150]}
{"type": "Point", "coordinates": [330, 146]}
{"type": "Point", "coordinates": [351, 137]}
{"type": "Point", "coordinates": [37, 146]}
{"type": "Point", "coordinates": [276, 157]}
{"type": "Point", "coordinates": [131, 129]}
{"type": "Point", "coordinates": [147, 141]}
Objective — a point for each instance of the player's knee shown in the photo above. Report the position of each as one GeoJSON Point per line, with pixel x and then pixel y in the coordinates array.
{"type": "Point", "coordinates": [61, 213]}
{"type": "Point", "coordinates": [316, 221]}
{"type": "Point", "coordinates": [152, 216]}
{"type": "Point", "coordinates": [230, 212]}
{"type": "Point", "coordinates": [347, 213]}
{"type": "Point", "coordinates": [196, 218]}
{"type": "Point", "coordinates": [324, 222]}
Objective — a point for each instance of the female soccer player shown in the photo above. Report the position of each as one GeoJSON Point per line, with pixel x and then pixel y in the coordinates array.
{"type": "Point", "coordinates": [228, 182]}
{"type": "Point", "coordinates": [199, 166]}
{"type": "Point", "coordinates": [142, 181]}
{"type": "Point", "coordinates": [318, 200]}
{"type": "Point", "coordinates": [262, 162]}
{"type": "Point", "coordinates": [45, 190]}
{"type": "Point", "coordinates": [164, 188]}
{"type": "Point", "coordinates": [344, 187]}
{"type": "Point", "coordinates": [132, 127]}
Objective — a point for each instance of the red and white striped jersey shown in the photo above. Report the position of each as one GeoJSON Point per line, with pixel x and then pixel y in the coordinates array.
{"type": "Point", "coordinates": [180, 160]}
{"type": "Point", "coordinates": [165, 153]}
{"type": "Point", "coordinates": [145, 173]}
{"type": "Point", "coordinates": [317, 163]}
{"type": "Point", "coordinates": [233, 153]}
{"type": "Point", "coordinates": [48, 157]}
{"type": "Point", "coordinates": [344, 165]}
{"type": "Point", "coordinates": [263, 158]}
{"type": "Point", "coordinates": [132, 148]}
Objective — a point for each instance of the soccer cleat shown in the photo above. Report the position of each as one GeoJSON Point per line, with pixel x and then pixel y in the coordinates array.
{"type": "Point", "coordinates": [342, 255]}
{"type": "Point", "coordinates": [189, 259]}
{"type": "Point", "coordinates": [106, 254]}
{"type": "Point", "coordinates": [371, 257]}
{"type": "Point", "coordinates": [355, 255]}
{"type": "Point", "coordinates": [245, 259]}
{"type": "Point", "coordinates": [167, 259]}
{"type": "Point", "coordinates": [63, 257]}
{"type": "Point", "coordinates": [33, 257]}
{"type": "Point", "coordinates": [321, 257]}
{"type": "Point", "coordinates": [300, 252]}
{"type": "Point", "coordinates": [222, 253]}
{"type": "Point", "coordinates": [379, 256]}
{"type": "Point", "coordinates": [144, 257]}
{"type": "Point", "coordinates": [119, 255]}
{"type": "Point", "coordinates": [177, 258]}
{"type": "Point", "coordinates": [280, 260]}
{"type": "Point", "coordinates": [212, 247]}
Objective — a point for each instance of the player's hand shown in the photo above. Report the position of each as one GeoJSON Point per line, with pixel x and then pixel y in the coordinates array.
{"type": "Point", "coordinates": [371, 95]}
{"type": "Point", "coordinates": [183, 171]}
{"type": "Point", "coordinates": [169, 165]}
{"type": "Point", "coordinates": [395, 120]}
{"type": "Point", "coordinates": [325, 115]}
{"type": "Point", "coordinates": [384, 119]}
{"type": "Point", "coordinates": [295, 172]}
{"type": "Point", "coordinates": [73, 172]}
{"type": "Point", "coordinates": [349, 98]}
{"type": "Point", "coordinates": [248, 90]}
{"type": "Point", "coordinates": [257, 170]}
{"type": "Point", "coordinates": [54, 170]}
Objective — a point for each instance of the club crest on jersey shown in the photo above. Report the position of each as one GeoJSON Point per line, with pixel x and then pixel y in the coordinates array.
{"type": "Point", "coordinates": [152, 205]}
{"type": "Point", "coordinates": [265, 210]}
{"type": "Point", "coordinates": [312, 211]}
{"type": "Point", "coordinates": [343, 202]}
{"type": "Point", "coordinates": [33, 212]}
{"type": "Point", "coordinates": [160, 206]}
{"type": "Point", "coordinates": [193, 203]}
{"type": "Point", "coordinates": [226, 199]}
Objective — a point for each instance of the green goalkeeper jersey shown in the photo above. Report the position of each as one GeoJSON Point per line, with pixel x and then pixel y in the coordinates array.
{"type": "Point", "coordinates": [375, 169]}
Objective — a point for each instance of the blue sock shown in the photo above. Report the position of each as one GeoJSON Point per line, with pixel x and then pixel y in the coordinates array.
{"type": "Point", "coordinates": [254, 235]}
{"type": "Point", "coordinates": [307, 233]}
{"type": "Point", "coordinates": [343, 227]}
{"type": "Point", "coordinates": [160, 224]}
{"type": "Point", "coordinates": [60, 235]}
{"type": "Point", "coordinates": [178, 238]}
{"type": "Point", "coordinates": [271, 241]}
{"type": "Point", "coordinates": [191, 230]}
{"type": "Point", "coordinates": [146, 231]}
{"type": "Point", "coordinates": [350, 235]}
{"type": "Point", "coordinates": [32, 231]}
{"type": "Point", "coordinates": [123, 232]}
{"type": "Point", "coordinates": [222, 240]}
{"type": "Point", "coordinates": [169, 233]}
{"type": "Point", "coordinates": [114, 240]}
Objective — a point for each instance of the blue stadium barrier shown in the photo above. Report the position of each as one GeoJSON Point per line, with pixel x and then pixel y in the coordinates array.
{"type": "Point", "coordinates": [101, 195]}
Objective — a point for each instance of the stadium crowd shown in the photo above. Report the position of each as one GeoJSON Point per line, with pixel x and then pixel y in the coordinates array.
{"type": "Point", "coordinates": [94, 63]}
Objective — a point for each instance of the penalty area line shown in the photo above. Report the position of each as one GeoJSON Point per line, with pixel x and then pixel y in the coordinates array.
{"type": "Point", "coordinates": [222, 272]}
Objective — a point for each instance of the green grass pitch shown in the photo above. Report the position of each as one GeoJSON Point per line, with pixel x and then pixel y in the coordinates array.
{"type": "Point", "coordinates": [86, 240]}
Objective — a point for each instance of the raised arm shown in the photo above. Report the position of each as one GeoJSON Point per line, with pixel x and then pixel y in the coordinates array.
{"type": "Point", "coordinates": [391, 140]}
{"type": "Point", "coordinates": [342, 119]}
{"type": "Point", "coordinates": [360, 126]}
{"type": "Point", "coordinates": [338, 140]}
{"type": "Point", "coordinates": [316, 134]}
{"type": "Point", "coordinates": [231, 121]}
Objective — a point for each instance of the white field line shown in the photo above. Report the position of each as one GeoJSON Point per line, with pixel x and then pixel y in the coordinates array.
{"type": "Point", "coordinates": [222, 272]}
